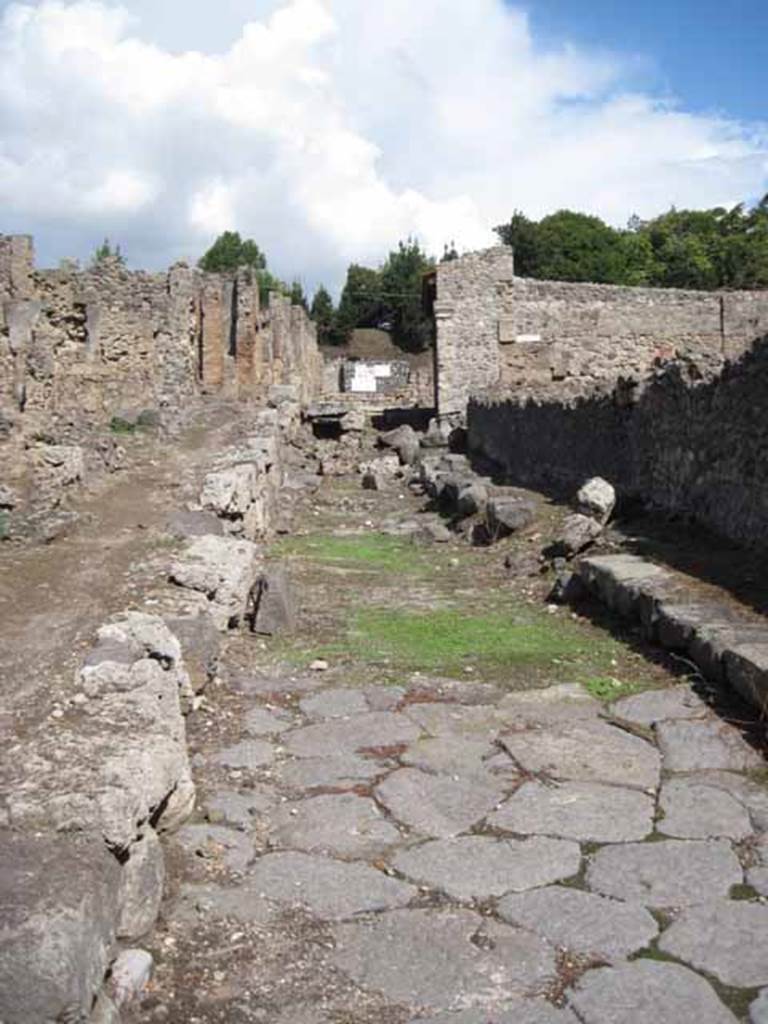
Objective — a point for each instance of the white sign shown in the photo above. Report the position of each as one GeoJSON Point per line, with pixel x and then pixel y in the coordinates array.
{"type": "Point", "coordinates": [528, 337]}
{"type": "Point", "coordinates": [382, 370]}
{"type": "Point", "coordinates": [363, 380]}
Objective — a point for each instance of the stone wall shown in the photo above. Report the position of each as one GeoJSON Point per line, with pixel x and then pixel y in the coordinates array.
{"type": "Point", "coordinates": [691, 440]}
{"type": "Point", "coordinates": [566, 340]}
{"type": "Point", "coordinates": [81, 349]}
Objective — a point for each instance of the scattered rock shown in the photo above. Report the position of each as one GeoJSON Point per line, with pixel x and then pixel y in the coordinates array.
{"type": "Point", "coordinates": [129, 976]}
{"type": "Point", "coordinates": [381, 473]}
{"type": "Point", "coordinates": [578, 532]}
{"type": "Point", "coordinates": [596, 499]}
{"type": "Point", "coordinates": [273, 604]}
{"type": "Point", "coordinates": [508, 515]}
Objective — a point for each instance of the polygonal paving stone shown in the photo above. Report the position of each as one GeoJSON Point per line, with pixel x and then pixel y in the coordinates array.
{"type": "Point", "coordinates": [586, 751]}
{"type": "Point", "coordinates": [750, 792]}
{"type": "Point", "coordinates": [726, 939]}
{"type": "Point", "coordinates": [342, 772]}
{"type": "Point", "coordinates": [445, 719]}
{"type": "Point", "coordinates": [249, 754]}
{"type": "Point", "coordinates": [567, 703]}
{"type": "Point", "coordinates": [758, 879]}
{"type": "Point", "coordinates": [196, 903]}
{"type": "Point", "coordinates": [260, 722]}
{"type": "Point", "coordinates": [215, 844]}
{"type": "Point", "coordinates": [437, 805]}
{"type": "Point", "coordinates": [428, 689]}
{"type": "Point", "coordinates": [660, 705]}
{"type": "Point", "coordinates": [334, 704]}
{"type": "Point", "coordinates": [647, 992]}
{"type": "Point", "coordinates": [449, 755]}
{"type": "Point", "coordinates": [671, 873]}
{"type": "Point", "coordinates": [383, 698]}
{"type": "Point", "coordinates": [477, 867]}
{"type": "Point", "coordinates": [586, 811]}
{"type": "Point", "coordinates": [377, 730]}
{"type": "Point", "coordinates": [348, 825]}
{"type": "Point", "coordinates": [263, 686]}
{"type": "Point", "coordinates": [582, 922]}
{"type": "Point", "coordinates": [701, 745]}
{"type": "Point", "coordinates": [239, 809]}
{"type": "Point", "coordinates": [449, 959]}
{"type": "Point", "coordinates": [518, 1011]}
{"type": "Point", "coordinates": [329, 889]}
{"type": "Point", "coordinates": [694, 810]}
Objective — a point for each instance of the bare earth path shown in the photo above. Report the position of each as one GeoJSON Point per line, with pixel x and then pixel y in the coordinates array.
{"type": "Point", "coordinates": [52, 597]}
{"type": "Point", "coordinates": [388, 841]}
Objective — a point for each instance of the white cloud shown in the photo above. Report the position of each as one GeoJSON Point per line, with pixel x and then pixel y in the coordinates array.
{"type": "Point", "coordinates": [329, 129]}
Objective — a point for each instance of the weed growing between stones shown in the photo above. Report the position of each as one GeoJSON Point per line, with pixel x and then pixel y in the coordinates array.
{"type": "Point", "coordinates": [121, 426]}
{"type": "Point", "coordinates": [5, 526]}
{"type": "Point", "coordinates": [607, 688]}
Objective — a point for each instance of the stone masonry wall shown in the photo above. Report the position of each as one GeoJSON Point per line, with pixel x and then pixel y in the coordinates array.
{"type": "Point", "coordinates": [79, 349]}
{"type": "Point", "coordinates": [547, 338]}
{"type": "Point", "coordinates": [687, 441]}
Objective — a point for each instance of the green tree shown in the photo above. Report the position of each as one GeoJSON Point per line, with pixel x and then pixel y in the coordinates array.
{"type": "Point", "coordinates": [323, 313]}
{"type": "Point", "coordinates": [361, 303]}
{"type": "Point", "coordinates": [402, 280]}
{"type": "Point", "coordinates": [230, 252]}
{"type": "Point", "coordinates": [522, 234]}
{"type": "Point", "coordinates": [576, 247]}
{"type": "Point", "coordinates": [297, 295]}
{"type": "Point", "coordinates": [106, 254]}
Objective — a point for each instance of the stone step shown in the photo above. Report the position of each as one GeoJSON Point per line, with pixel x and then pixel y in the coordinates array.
{"type": "Point", "coordinates": [728, 643]}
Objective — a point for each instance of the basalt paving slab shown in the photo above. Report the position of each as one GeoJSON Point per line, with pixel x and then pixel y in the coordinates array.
{"type": "Point", "coordinates": [449, 755]}
{"type": "Point", "coordinates": [329, 889]}
{"type": "Point", "coordinates": [518, 1011]}
{"type": "Point", "coordinates": [443, 959]}
{"type": "Point", "coordinates": [214, 844]}
{"type": "Point", "coordinates": [670, 873]}
{"type": "Point", "coordinates": [197, 903]}
{"type": "Point", "coordinates": [343, 772]}
{"type": "Point", "coordinates": [260, 722]}
{"type": "Point", "coordinates": [453, 691]}
{"type": "Point", "coordinates": [701, 745]}
{"type": "Point", "coordinates": [348, 825]}
{"type": "Point", "coordinates": [727, 939]}
{"type": "Point", "coordinates": [586, 751]}
{"type": "Point", "coordinates": [647, 992]}
{"type": "Point", "coordinates": [239, 808]}
{"type": "Point", "coordinates": [582, 922]}
{"type": "Point", "coordinates": [437, 805]}
{"type": "Point", "coordinates": [334, 704]}
{"type": "Point", "coordinates": [248, 754]}
{"type": "Point", "coordinates": [691, 809]}
{"type": "Point", "coordinates": [753, 793]}
{"type": "Point", "coordinates": [377, 730]}
{"type": "Point", "coordinates": [758, 1010]}
{"type": "Point", "coordinates": [586, 811]}
{"type": "Point", "coordinates": [452, 719]}
{"type": "Point", "coordinates": [478, 867]}
{"type": "Point", "coordinates": [383, 698]}
{"type": "Point", "coordinates": [564, 703]}
{"type": "Point", "coordinates": [264, 686]}
{"type": "Point", "coordinates": [660, 705]}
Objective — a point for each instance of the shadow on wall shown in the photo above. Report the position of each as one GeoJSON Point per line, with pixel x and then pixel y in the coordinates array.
{"type": "Point", "coordinates": [685, 445]}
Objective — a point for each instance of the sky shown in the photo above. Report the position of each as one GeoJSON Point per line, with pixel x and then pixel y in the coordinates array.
{"type": "Point", "coordinates": [327, 130]}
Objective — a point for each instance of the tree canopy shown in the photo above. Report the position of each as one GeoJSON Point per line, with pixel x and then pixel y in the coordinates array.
{"type": "Point", "coordinates": [702, 249]}
{"type": "Point", "coordinates": [106, 253]}
{"type": "Point", "coordinates": [230, 252]}
{"type": "Point", "coordinates": [323, 313]}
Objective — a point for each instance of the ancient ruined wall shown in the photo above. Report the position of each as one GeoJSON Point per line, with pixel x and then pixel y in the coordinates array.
{"type": "Point", "coordinates": [80, 347]}
{"type": "Point", "coordinates": [689, 440]}
{"type": "Point", "coordinates": [468, 309]}
{"type": "Point", "coordinates": [562, 339]}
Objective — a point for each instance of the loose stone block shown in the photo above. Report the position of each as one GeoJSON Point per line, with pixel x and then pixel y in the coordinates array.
{"type": "Point", "coordinates": [582, 922]}
{"type": "Point", "coordinates": [671, 873]}
{"type": "Point", "coordinates": [692, 809]}
{"type": "Point", "coordinates": [478, 867]}
{"type": "Point", "coordinates": [344, 824]}
{"type": "Point", "coordinates": [726, 939]}
{"type": "Point", "coordinates": [467, 962]}
{"type": "Point", "coordinates": [647, 992]}
{"type": "Point", "coordinates": [585, 811]}
{"type": "Point", "coordinates": [701, 745]}
{"type": "Point", "coordinates": [435, 805]}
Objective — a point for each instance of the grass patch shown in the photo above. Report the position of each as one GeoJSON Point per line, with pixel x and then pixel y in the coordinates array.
{"type": "Point", "coordinates": [372, 551]}
{"type": "Point", "coordinates": [608, 688]}
{"type": "Point", "coordinates": [120, 426]}
{"type": "Point", "coordinates": [448, 641]}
